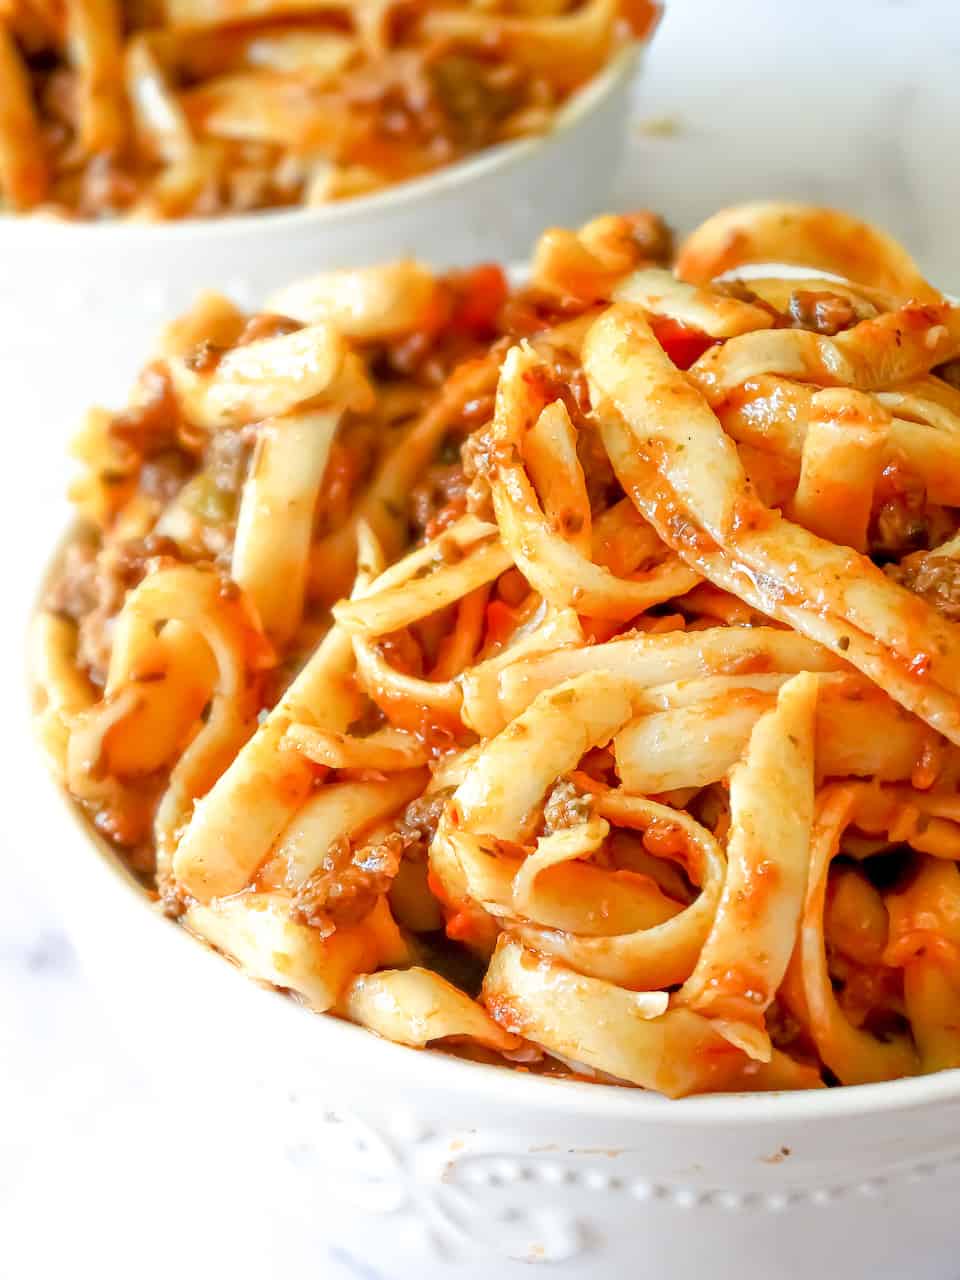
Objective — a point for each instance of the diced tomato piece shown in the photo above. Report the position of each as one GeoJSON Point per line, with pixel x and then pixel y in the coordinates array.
{"type": "Point", "coordinates": [599, 630]}
{"type": "Point", "coordinates": [480, 293]}
{"type": "Point", "coordinates": [682, 343]}
{"type": "Point", "coordinates": [642, 15]}
{"type": "Point", "coordinates": [436, 315]}
{"type": "Point", "coordinates": [460, 927]}
{"type": "Point", "coordinates": [501, 623]}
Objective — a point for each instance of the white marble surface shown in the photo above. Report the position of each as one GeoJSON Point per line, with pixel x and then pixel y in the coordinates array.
{"type": "Point", "coordinates": [854, 103]}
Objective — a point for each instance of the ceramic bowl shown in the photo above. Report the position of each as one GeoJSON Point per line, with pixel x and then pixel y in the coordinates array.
{"type": "Point", "coordinates": [81, 302]}
{"type": "Point", "coordinates": [418, 1164]}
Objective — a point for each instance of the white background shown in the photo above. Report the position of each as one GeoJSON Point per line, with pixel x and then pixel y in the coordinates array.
{"type": "Point", "coordinates": [851, 102]}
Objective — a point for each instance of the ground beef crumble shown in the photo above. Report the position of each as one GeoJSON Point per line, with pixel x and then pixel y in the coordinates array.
{"type": "Point", "coordinates": [439, 499]}
{"type": "Point", "coordinates": [164, 474]}
{"type": "Point", "coordinates": [346, 885]}
{"type": "Point", "coordinates": [91, 589]}
{"type": "Point", "coordinates": [653, 236]}
{"type": "Point", "coordinates": [899, 523]}
{"type": "Point", "coordinates": [151, 424]}
{"type": "Point", "coordinates": [419, 823]}
{"type": "Point", "coordinates": [822, 312]}
{"type": "Point", "coordinates": [935, 578]}
{"type": "Point", "coordinates": [566, 806]}
{"type": "Point", "coordinates": [816, 310]}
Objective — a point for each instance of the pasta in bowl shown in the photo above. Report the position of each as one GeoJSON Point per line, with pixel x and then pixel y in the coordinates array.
{"type": "Point", "coordinates": [194, 108]}
{"type": "Point", "coordinates": [563, 674]}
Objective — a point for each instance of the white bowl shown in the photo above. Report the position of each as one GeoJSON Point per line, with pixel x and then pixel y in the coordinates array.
{"type": "Point", "coordinates": [81, 302]}
{"type": "Point", "coordinates": [417, 1164]}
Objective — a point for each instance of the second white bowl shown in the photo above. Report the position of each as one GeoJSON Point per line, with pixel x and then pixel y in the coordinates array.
{"type": "Point", "coordinates": [80, 303]}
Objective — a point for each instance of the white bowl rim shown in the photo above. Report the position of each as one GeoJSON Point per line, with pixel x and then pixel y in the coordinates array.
{"type": "Point", "coordinates": [501, 156]}
{"type": "Point", "coordinates": [364, 1051]}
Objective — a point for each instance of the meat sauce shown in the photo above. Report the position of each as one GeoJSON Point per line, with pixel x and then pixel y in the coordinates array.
{"type": "Point", "coordinates": [160, 455]}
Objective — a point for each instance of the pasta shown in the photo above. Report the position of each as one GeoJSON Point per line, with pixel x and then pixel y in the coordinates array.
{"type": "Point", "coordinates": [190, 108]}
{"type": "Point", "coordinates": [565, 674]}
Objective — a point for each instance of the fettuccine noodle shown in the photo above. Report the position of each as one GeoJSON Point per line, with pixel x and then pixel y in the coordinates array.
{"type": "Point", "coordinates": [565, 674]}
